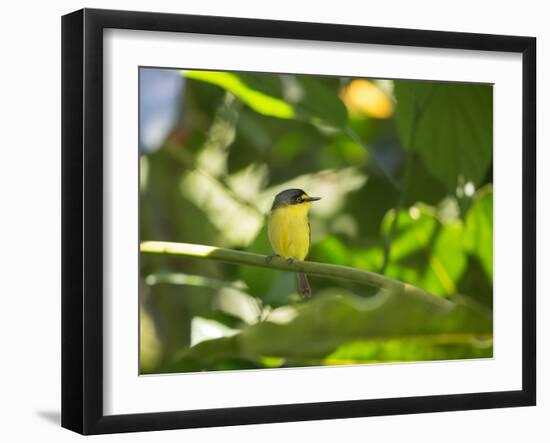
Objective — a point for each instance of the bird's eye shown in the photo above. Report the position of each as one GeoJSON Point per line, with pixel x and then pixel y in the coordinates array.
{"type": "Point", "coordinates": [299, 200]}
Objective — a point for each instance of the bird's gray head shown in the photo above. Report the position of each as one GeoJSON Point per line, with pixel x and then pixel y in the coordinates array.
{"type": "Point", "coordinates": [292, 197]}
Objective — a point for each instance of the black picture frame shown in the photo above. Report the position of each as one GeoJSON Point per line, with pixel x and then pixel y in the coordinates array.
{"type": "Point", "coordinates": [82, 220]}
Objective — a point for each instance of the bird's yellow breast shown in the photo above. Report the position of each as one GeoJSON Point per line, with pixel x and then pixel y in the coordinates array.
{"type": "Point", "coordinates": [288, 231]}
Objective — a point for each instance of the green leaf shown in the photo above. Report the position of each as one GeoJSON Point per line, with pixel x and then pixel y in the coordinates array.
{"type": "Point", "coordinates": [422, 348]}
{"type": "Point", "coordinates": [370, 204]}
{"type": "Point", "coordinates": [321, 104]}
{"type": "Point", "coordinates": [335, 318]}
{"type": "Point", "coordinates": [423, 186]}
{"type": "Point", "coordinates": [259, 101]}
{"type": "Point", "coordinates": [450, 125]}
{"type": "Point", "coordinates": [253, 140]}
{"type": "Point", "coordinates": [318, 103]}
{"type": "Point", "coordinates": [476, 284]}
{"type": "Point", "coordinates": [478, 235]}
{"type": "Point", "coordinates": [426, 252]}
{"type": "Point", "coordinates": [331, 250]}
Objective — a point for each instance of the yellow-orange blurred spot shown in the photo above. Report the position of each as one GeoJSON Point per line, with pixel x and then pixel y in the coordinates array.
{"type": "Point", "coordinates": [364, 97]}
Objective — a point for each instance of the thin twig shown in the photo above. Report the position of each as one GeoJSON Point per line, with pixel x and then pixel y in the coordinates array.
{"type": "Point", "coordinates": [355, 138]}
{"type": "Point", "coordinates": [418, 110]}
{"type": "Point", "coordinates": [397, 209]}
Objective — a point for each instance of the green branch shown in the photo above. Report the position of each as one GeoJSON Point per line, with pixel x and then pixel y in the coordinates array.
{"type": "Point", "coordinates": [310, 268]}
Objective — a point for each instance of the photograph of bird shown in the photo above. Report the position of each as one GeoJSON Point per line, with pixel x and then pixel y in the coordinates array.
{"type": "Point", "coordinates": [289, 230]}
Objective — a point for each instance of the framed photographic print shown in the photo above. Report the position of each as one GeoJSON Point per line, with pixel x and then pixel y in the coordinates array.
{"type": "Point", "coordinates": [269, 221]}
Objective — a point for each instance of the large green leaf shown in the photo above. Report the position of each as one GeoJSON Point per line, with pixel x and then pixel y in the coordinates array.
{"type": "Point", "coordinates": [450, 125]}
{"type": "Point", "coordinates": [335, 318]}
{"type": "Point", "coordinates": [423, 186]}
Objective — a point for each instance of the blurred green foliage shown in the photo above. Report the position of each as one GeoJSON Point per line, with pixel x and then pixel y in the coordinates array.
{"type": "Point", "coordinates": [405, 172]}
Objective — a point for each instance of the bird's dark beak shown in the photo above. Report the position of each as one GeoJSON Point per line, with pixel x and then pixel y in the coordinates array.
{"type": "Point", "coordinates": [313, 199]}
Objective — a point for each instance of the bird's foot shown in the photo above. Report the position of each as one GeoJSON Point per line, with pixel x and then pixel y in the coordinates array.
{"type": "Point", "coordinates": [271, 257]}
{"type": "Point", "coordinates": [290, 260]}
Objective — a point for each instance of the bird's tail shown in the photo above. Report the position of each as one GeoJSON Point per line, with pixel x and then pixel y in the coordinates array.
{"type": "Point", "coordinates": [303, 285]}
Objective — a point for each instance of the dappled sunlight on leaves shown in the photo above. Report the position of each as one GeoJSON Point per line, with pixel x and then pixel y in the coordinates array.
{"type": "Point", "coordinates": [249, 182]}
{"type": "Point", "coordinates": [205, 329]}
{"type": "Point", "coordinates": [238, 304]}
{"type": "Point", "coordinates": [282, 315]}
{"type": "Point", "coordinates": [179, 278]}
{"type": "Point", "coordinates": [404, 169]}
{"type": "Point", "coordinates": [237, 223]}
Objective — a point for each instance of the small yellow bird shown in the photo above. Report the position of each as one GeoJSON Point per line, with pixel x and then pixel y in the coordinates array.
{"type": "Point", "coordinates": [289, 231]}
